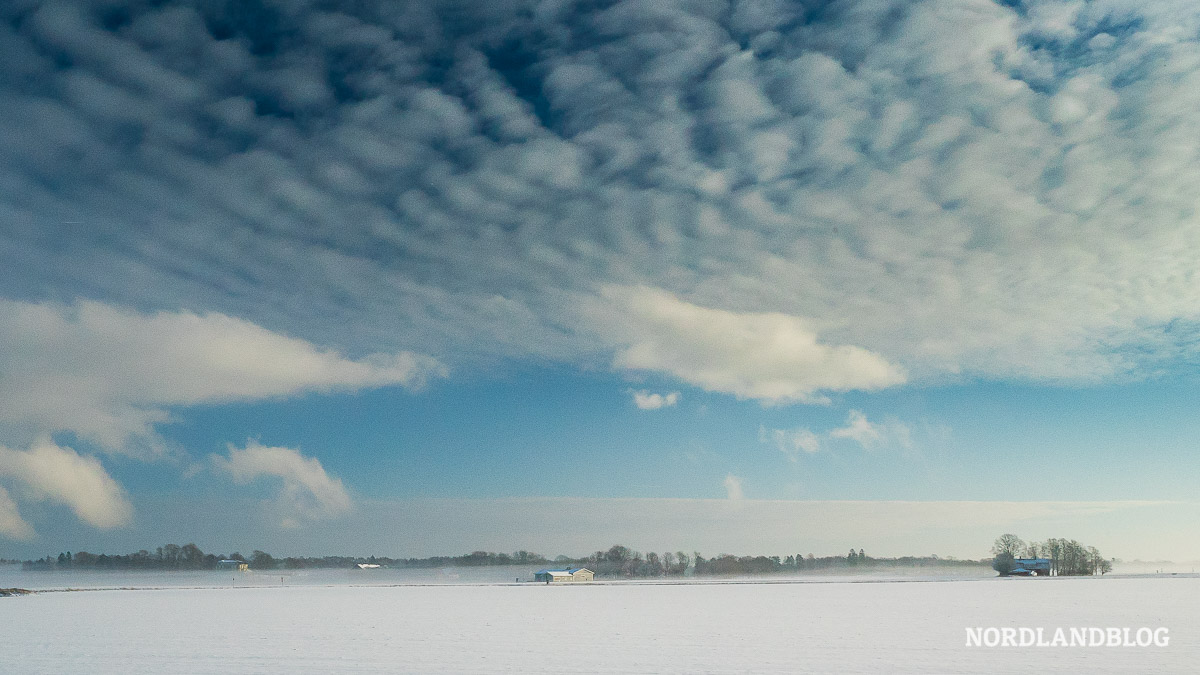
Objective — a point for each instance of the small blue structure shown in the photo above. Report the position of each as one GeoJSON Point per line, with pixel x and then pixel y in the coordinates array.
{"type": "Point", "coordinates": [1030, 567]}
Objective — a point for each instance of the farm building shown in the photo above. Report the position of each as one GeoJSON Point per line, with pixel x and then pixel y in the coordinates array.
{"type": "Point", "coordinates": [567, 574]}
{"type": "Point", "coordinates": [1030, 567]}
{"type": "Point", "coordinates": [236, 565]}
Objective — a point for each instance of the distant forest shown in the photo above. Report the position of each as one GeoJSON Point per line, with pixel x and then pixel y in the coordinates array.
{"type": "Point", "coordinates": [615, 562]}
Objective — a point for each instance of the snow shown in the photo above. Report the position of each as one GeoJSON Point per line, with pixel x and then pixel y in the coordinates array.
{"type": "Point", "coordinates": [862, 625]}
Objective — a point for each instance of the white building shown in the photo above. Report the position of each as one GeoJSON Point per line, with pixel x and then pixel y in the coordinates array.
{"type": "Point", "coordinates": [565, 574]}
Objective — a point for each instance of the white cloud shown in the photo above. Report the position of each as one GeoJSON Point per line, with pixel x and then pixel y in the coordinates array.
{"type": "Point", "coordinates": [733, 488]}
{"type": "Point", "coordinates": [12, 525]}
{"type": "Point", "coordinates": [772, 357]}
{"type": "Point", "coordinates": [307, 490]}
{"type": "Point", "coordinates": [791, 442]}
{"type": "Point", "coordinates": [890, 433]}
{"type": "Point", "coordinates": [648, 401]}
{"type": "Point", "coordinates": [54, 473]}
{"type": "Point", "coordinates": [109, 374]}
{"type": "Point", "coordinates": [871, 435]}
{"type": "Point", "coordinates": [860, 430]}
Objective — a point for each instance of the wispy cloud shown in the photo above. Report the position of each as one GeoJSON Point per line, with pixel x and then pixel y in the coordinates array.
{"type": "Point", "coordinates": [645, 400]}
{"type": "Point", "coordinates": [733, 488]}
{"type": "Point", "coordinates": [891, 433]}
{"type": "Point", "coordinates": [109, 374]}
{"type": "Point", "coordinates": [870, 435]}
{"type": "Point", "coordinates": [307, 492]}
{"type": "Point", "coordinates": [791, 442]}
{"type": "Point", "coordinates": [12, 525]}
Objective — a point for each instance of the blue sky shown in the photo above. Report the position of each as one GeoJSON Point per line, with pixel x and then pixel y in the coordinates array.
{"type": "Point", "coordinates": [404, 278]}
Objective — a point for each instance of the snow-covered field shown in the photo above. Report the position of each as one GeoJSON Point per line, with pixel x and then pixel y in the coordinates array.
{"type": "Point", "coordinates": [861, 625]}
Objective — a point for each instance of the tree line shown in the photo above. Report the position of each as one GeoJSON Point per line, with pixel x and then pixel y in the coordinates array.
{"type": "Point", "coordinates": [1067, 556]}
{"type": "Point", "coordinates": [166, 557]}
{"type": "Point", "coordinates": [616, 562]}
{"type": "Point", "coordinates": [621, 561]}
{"type": "Point", "coordinates": [190, 557]}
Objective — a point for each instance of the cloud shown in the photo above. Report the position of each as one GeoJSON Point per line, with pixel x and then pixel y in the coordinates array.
{"type": "Point", "coordinates": [50, 472]}
{"type": "Point", "coordinates": [12, 525]}
{"type": "Point", "coordinates": [647, 401]}
{"type": "Point", "coordinates": [791, 442]}
{"type": "Point", "coordinates": [891, 433]}
{"type": "Point", "coordinates": [859, 430]}
{"type": "Point", "coordinates": [307, 492]}
{"type": "Point", "coordinates": [937, 188]}
{"type": "Point", "coordinates": [733, 488]}
{"type": "Point", "coordinates": [871, 435]}
{"type": "Point", "coordinates": [771, 357]}
{"type": "Point", "coordinates": [110, 374]}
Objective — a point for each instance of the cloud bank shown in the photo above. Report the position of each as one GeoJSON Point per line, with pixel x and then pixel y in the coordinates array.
{"type": "Point", "coordinates": [947, 187]}
{"type": "Point", "coordinates": [1125, 529]}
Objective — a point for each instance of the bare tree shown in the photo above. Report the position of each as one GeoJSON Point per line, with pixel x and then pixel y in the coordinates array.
{"type": "Point", "coordinates": [171, 555]}
{"type": "Point", "coordinates": [654, 564]}
{"type": "Point", "coordinates": [1008, 543]}
{"type": "Point", "coordinates": [1053, 548]}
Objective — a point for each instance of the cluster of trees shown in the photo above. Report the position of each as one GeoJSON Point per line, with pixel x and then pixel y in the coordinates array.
{"type": "Point", "coordinates": [1067, 556]}
{"type": "Point", "coordinates": [622, 561]}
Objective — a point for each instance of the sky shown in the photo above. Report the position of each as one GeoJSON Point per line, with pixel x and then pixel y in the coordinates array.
{"type": "Point", "coordinates": [729, 276]}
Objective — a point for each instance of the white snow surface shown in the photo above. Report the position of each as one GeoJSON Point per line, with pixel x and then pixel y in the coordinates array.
{"type": "Point", "coordinates": [832, 625]}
